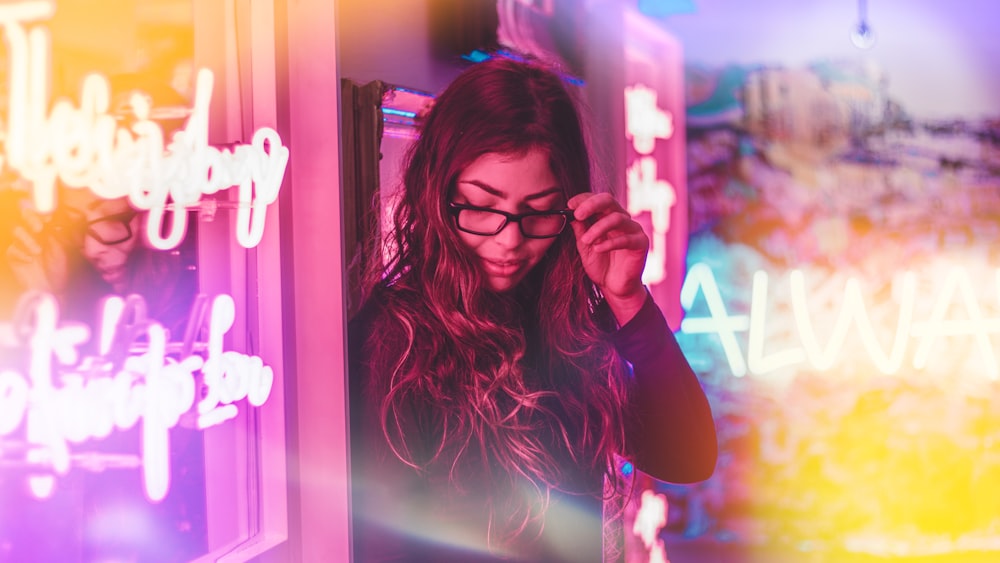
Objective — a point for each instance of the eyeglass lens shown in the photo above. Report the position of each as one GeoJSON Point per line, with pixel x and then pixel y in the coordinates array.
{"type": "Point", "coordinates": [487, 222]}
{"type": "Point", "coordinates": [110, 231]}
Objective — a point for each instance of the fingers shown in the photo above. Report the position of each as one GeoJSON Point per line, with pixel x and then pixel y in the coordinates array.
{"type": "Point", "coordinates": [622, 241]}
{"type": "Point", "coordinates": [586, 206]}
{"type": "Point", "coordinates": [604, 225]}
{"type": "Point", "coordinates": [25, 245]}
{"type": "Point", "coordinates": [31, 218]}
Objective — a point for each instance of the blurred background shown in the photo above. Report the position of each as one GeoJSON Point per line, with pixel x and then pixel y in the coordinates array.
{"type": "Point", "coordinates": [832, 172]}
{"type": "Point", "coordinates": [822, 184]}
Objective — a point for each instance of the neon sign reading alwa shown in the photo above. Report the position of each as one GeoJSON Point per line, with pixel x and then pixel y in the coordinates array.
{"type": "Point", "coordinates": [63, 399]}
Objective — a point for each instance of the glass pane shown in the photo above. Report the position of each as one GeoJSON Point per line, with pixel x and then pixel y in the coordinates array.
{"type": "Point", "coordinates": [401, 110]}
{"type": "Point", "coordinates": [98, 464]}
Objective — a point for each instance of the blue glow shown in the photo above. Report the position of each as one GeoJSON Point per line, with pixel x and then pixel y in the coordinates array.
{"type": "Point", "coordinates": [400, 112]}
{"type": "Point", "coordinates": [663, 8]}
{"type": "Point", "coordinates": [477, 56]}
{"type": "Point", "coordinates": [627, 468]}
{"type": "Point", "coordinates": [412, 91]}
{"type": "Point", "coordinates": [511, 55]}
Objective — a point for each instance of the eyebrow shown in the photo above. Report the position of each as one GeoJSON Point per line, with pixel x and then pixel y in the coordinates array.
{"type": "Point", "coordinates": [501, 194]}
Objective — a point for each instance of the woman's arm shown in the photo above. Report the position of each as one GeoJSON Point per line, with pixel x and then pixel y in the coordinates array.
{"type": "Point", "coordinates": [672, 433]}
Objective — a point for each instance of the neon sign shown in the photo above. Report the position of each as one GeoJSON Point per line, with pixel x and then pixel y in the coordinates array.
{"type": "Point", "coordinates": [644, 121]}
{"type": "Point", "coordinates": [66, 400]}
{"type": "Point", "coordinates": [644, 124]}
{"type": "Point", "coordinates": [647, 193]}
{"type": "Point", "coordinates": [650, 518]}
{"type": "Point", "coordinates": [851, 316]}
{"type": "Point", "coordinates": [85, 148]}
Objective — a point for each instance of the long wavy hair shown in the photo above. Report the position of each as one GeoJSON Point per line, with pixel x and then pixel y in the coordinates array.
{"type": "Point", "coordinates": [455, 392]}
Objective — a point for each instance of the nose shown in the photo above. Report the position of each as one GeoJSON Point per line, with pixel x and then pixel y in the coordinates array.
{"type": "Point", "coordinates": [92, 248]}
{"type": "Point", "coordinates": [510, 235]}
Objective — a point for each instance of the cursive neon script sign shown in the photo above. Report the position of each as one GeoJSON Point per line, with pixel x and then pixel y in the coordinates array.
{"type": "Point", "coordinates": [84, 147]}
{"type": "Point", "coordinates": [954, 311]}
{"type": "Point", "coordinates": [644, 124]}
{"type": "Point", "coordinates": [63, 399]}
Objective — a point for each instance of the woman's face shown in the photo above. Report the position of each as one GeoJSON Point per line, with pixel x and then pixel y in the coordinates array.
{"type": "Point", "coordinates": [111, 237]}
{"type": "Point", "coordinates": [515, 184]}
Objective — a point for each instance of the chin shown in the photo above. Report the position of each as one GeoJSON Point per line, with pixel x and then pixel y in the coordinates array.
{"type": "Point", "coordinates": [116, 282]}
{"type": "Point", "coordinates": [503, 285]}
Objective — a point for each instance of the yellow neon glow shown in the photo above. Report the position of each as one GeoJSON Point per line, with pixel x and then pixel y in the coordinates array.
{"type": "Point", "coordinates": [84, 148]}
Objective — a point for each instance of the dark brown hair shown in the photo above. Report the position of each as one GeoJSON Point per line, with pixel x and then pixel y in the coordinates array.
{"type": "Point", "coordinates": [459, 347]}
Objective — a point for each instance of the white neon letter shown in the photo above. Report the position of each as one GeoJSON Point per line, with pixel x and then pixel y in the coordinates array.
{"type": "Point", "coordinates": [648, 193]}
{"type": "Point", "coordinates": [719, 322]}
{"type": "Point", "coordinates": [759, 364]}
{"type": "Point", "coordinates": [13, 401]}
{"type": "Point", "coordinates": [937, 326]}
{"type": "Point", "coordinates": [644, 121]}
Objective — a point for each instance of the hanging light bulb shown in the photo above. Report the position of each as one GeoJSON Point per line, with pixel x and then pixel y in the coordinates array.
{"type": "Point", "coordinates": [862, 36]}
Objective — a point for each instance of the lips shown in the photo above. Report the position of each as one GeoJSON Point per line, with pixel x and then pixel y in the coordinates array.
{"type": "Point", "coordinates": [502, 268]}
{"type": "Point", "coordinates": [112, 274]}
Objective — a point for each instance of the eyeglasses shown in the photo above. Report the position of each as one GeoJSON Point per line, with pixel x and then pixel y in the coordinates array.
{"type": "Point", "coordinates": [111, 229]}
{"type": "Point", "coordinates": [71, 227]}
{"type": "Point", "coordinates": [486, 222]}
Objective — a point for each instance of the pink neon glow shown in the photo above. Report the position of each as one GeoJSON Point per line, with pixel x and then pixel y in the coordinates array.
{"type": "Point", "coordinates": [230, 376]}
{"type": "Point", "coordinates": [644, 121]}
{"type": "Point", "coordinates": [644, 124]}
{"type": "Point", "coordinates": [647, 193]}
{"type": "Point", "coordinates": [649, 520]}
{"type": "Point", "coordinates": [13, 401]}
{"type": "Point", "coordinates": [150, 387]}
{"type": "Point", "coordinates": [111, 312]}
{"type": "Point", "coordinates": [84, 147]}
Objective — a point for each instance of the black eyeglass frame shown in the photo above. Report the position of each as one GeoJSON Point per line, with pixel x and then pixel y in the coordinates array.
{"type": "Point", "coordinates": [455, 208]}
{"type": "Point", "coordinates": [125, 218]}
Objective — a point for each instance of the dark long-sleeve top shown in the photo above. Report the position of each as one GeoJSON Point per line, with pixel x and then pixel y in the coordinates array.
{"type": "Point", "coordinates": [401, 514]}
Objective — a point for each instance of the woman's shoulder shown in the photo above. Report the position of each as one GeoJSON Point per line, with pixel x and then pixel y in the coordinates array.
{"type": "Point", "coordinates": [380, 332]}
{"type": "Point", "coordinates": [366, 333]}
{"type": "Point", "coordinates": [364, 316]}
{"type": "Point", "coordinates": [371, 313]}
{"type": "Point", "coordinates": [384, 315]}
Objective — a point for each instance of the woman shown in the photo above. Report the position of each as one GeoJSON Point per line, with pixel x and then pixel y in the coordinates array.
{"type": "Point", "coordinates": [91, 247]}
{"type": "Point", "coordinates": [86, 249]}
{"type": "Point", "coordinates": [507, 353]}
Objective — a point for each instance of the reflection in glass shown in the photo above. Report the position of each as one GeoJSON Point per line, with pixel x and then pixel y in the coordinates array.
{"type": "Point", "coordinates": [85, 250]}
{"type": "Point", "coordinates": [111, 229]}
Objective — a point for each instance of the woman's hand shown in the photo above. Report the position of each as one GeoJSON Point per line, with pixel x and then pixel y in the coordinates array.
{"type": "Point", "coordinates": [37, 260]}
{"type": "Point", "coordinates": [613, 249]}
